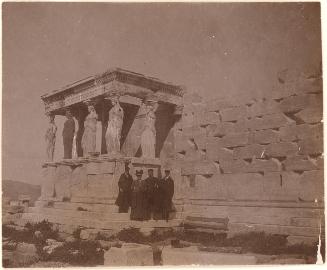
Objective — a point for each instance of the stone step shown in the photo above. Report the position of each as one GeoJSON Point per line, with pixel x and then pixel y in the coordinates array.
{"type": "Point", "coordinates": [79, 214]}
{"type": "Point", "coordinates": [101, 224]}
{"type": "Point", "coordinates": [96, 207]}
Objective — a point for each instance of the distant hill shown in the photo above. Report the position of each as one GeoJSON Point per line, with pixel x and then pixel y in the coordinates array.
{"type": "Point", "coordinates": [12, 189]}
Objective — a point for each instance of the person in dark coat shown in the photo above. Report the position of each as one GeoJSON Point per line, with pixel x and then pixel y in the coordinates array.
{"type": "Point", "coordinates": [168, 193]}
{"type": "Point", "coordinates": [152, 191]}
{"type": "Point", "coordinates": [138, 202]}
{"type": "Point", "coordinates": [68, 133]}
{"type": "Point", "coordinates": [125, 190]}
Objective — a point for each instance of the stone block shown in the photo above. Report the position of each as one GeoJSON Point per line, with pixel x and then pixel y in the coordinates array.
{"type": "Point", "coordinates": [244, 186]}
{"type": "Point", "coordinates": [47, 188]}
{"type": "Point", "coordinates": [208, 188]}
{"type": "Point", "coordinates": [264, 136]}
{"type": "Point", "coordinates": [309, 85]}
{"type": "Point", "coordinates": [89, 234]}
{"type": "Point", "coordinates": [299, 102]}
{"type": "Point", "coordinates": [181, 144]}
{"type": "Point", "coordinates": [107, 167]}
{"type": "Point", "coordinates": [93, 168]}
{"type": "Point", "coordinates": [194, 155]}
{"type": "Point", "coordinates": [129, 255]}
{"type": "Point", "coordinates": [218, 104]}
{"type": "Point", "coordinates": [270, 121]}
{"type": "Point", "coordinates": [221, 129]}
{"type": "Point", "coordinates": [312, 146]}
{"type": "Point", "coordinates": [307, 186]}
{"type": "Point", "coordinates": [301, 132]}
{"type": "Point", "coordinates": [233, 114]}
{"type": "Point", "coordinates": [233, 166]}
{"type": "Point", "coordinates": [277, 189]}
{"type": "Point", "coordinates": [263, 107]}
{"type": "Point", "coordinates": [214, 152]}
{"type": "Point", "coordinates": [249, 151]}
{"type": "Point", "coordinates": [63, 182]}
{"type": "Point", "coordinates": [193, 131]}
{"type": "Point", "coordinates": [200, 141]}
{"type": "Point", "coordinates": [312, 186]}
{"type": "Point", "coordinates": [310, 115]}
{"type": "Point", "coordinates": [281, 91]}
{"type": "Point", "coordinates": [281, 149]}
{"type": "Point", "coordinates": [212, 118]}
{"type": "Point", "coordinates": [203, 168]}
{"type": "Point", "coordinates": [261, 165]}
{"type": "Point", "coordinates": [235, 139]}
{"type": "Point", "coordinates": [192, 256]}
{"type": "Point", "coordinates": [299, 163]}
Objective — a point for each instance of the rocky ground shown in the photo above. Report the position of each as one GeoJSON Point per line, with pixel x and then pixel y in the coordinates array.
{"type": "Point", "coordinates": [43, 245]}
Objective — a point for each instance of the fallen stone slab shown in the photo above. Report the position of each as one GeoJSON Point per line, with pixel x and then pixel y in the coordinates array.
{"type": "Point", "coordinates": [192, 256]}
{"type": "Point", "coordinates": [129, 255]}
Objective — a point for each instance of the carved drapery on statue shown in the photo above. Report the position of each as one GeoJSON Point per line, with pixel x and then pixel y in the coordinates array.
{"type": "Point", "coordinates": [89, 135]}
{"type": "Point", "coordinates": [68, 135]}
{"type": "Point", "coordinates": [50, 138]}
{"type": "Point", "coordinates": [115, 124]}
{"type": "Point", "coordinates": [148, 137]}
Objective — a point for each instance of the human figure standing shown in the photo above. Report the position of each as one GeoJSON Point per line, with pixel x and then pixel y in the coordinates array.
{"type": "Point", "coordinates": [151, 189]}
{"type": "Point", "coordinates": [68, 133]}
{"type": "Point", "coordinates": [124, 196]}
{"type": "Point", "coordinates": [138, 202]}
{"type": "Point", "coordinates": [168, 193]}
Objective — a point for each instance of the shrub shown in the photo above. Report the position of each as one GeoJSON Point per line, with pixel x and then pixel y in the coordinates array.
{"type": "Point", "coordinates": [82, 253]}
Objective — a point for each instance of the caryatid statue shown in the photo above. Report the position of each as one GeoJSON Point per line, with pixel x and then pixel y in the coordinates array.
{"type": "Point", "coordinates": [115, 124]}
{"type": "Point", "coordinates": [68, 134]}
{"type": "Point", "coordinates": [148, 136]}
{"type": "Point", "coordinates": [50, 138]}
{"type": "Point", "coordinates": [89, 135]}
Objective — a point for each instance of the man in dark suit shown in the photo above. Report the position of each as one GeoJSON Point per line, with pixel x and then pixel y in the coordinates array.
{"type": "Point", "coordinates": [125, 191]}
{"type": "Point", "coordinates": [152, 192]}
{"type": "Point", "coordinates": [68, 135]}
{"type": "Point", "coordinates": [168, 193]}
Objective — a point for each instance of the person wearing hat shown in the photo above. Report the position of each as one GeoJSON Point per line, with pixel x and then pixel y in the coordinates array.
{"type": "Point", "coordinates": [138, 201]}
{"type": "Point", "coordinates": [168, 193]}
{"type": "Point", "coordinates": [68, 133]}
{"type": "Point", "coordinates": [152, 189]}
{"type": "Point", "coordinates": [124, 196]}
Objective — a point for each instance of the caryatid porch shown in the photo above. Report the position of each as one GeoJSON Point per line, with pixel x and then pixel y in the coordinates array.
{"type": "Point", "coordinates": [93, 178]}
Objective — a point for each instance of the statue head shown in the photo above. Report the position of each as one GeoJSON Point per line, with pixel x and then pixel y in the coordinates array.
{"type": "Point", "coordinates": [115, 100]}
{"type": "Point", "coordinates": [91, 108]}
{"type": "Point", "coordinates": [51, 118]}
{"type": "Point", "coordinates": [69, 114]}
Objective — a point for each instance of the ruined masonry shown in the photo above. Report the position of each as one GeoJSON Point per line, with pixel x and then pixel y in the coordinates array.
{"type": "Point", "coordinates": [254, 165]}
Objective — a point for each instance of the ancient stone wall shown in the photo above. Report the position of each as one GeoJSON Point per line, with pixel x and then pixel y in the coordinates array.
{"type": "Point", "coordinates": [257, 161]}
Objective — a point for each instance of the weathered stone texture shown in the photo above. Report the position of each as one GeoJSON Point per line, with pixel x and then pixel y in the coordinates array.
{"type": "Point", "coordinates": [129, 255]}
{"type": "Point", "coordinates": [266, 150]}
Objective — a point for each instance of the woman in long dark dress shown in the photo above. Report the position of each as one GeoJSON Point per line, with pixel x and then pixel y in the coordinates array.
{"type": "Point", "coordinates": [138, 210]}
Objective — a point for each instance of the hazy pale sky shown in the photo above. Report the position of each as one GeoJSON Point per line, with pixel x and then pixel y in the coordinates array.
{"type": "Point", "coordinates": [217, 50]}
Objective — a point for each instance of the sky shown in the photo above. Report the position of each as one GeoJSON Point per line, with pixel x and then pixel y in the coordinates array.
{"type": "Point", "coordinates": [218, 50]}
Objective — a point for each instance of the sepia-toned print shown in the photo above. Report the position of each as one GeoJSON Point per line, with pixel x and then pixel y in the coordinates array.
{"type": "Point", "coordinates": [162, 134]}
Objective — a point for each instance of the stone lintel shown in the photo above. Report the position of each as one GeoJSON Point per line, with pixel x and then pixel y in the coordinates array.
{"type": "Point", "coordinates": [134, 94]}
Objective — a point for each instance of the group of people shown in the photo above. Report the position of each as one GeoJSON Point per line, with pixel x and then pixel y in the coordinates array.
{"type": "Point", "coordinates": [150, 198]}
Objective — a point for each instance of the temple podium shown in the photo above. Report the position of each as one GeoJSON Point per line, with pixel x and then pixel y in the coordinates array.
{"type": "Point", "coordinates": [82, 190]}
